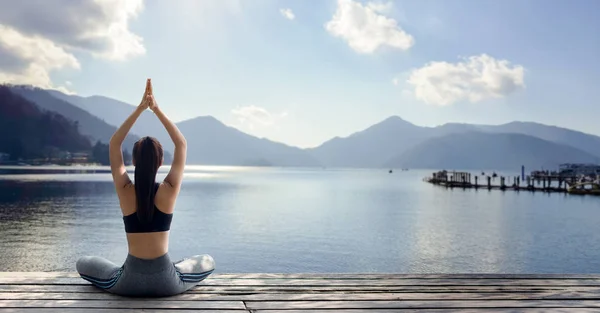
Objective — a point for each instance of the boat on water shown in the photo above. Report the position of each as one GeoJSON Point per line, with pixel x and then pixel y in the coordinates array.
{"type": "Point", "coordinates": [584, 188]}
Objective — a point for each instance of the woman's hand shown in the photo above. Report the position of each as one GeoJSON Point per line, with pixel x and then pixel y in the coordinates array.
{"type": "Point", "coordinates": [152, 103]}
{"type": "Point", "coordinates": [144, 103]}
{"type": "Point", "coordinates": [150, 98]}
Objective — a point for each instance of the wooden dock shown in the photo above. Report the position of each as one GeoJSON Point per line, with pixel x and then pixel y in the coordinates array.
{"type": "Point", "coordinates": [308, 293]}
{"type": "Point", "coordinates": [560, 184]}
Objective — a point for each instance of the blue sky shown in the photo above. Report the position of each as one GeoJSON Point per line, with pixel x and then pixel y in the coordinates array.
{"type": "Point", "coordinates": [335, 68]}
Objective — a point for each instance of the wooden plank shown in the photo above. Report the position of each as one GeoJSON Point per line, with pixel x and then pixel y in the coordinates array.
{"type": "Point", "coordinates": [49, 288]}
{"type": "Point", "coordinates": [560, 295]}
{"type": "Point", "coordinates": [95, 310]}
{"type": "Point", "coordinates": [334, 276]}
{"type": "Point", "coordinates": [399, 276]}
{"type": "Point", "coordinates": [453, 288]}
{"type": "Point", "coordinates": [202, 288]}
{"type": "Point", "coordinates": [306, 289]}
{"type": "Point", "coordinates": [493, 310]}
{"type": "Point", "coordinates": [35, 275]}
{"type": "Point", "coordinates": [335, 282]}
{"type": "Point", "coordinates": [131, 303]}
{"type": "Point", "coordinates": [354, 289]}
{"type": "Point", "coordinates": [401, 282]}
{"type": "Point", "coordinates": [286, 305]}
{"type": "Point", "coordinates": [485, 310]}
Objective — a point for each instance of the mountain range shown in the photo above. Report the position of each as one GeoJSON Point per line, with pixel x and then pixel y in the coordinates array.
{"type": "Point", "coordinates": [209, 140]}
{"type": "Point", "coordinates": [479, 150]}
{"type": "Point", "coordinates": [393, 142]}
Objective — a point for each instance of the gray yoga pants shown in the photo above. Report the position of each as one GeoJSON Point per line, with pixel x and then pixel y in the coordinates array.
{"type": "Point", "coordinates": [146, 278]}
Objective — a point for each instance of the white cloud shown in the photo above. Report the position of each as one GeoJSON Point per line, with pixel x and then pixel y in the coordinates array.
{"type": "Point", "coordinates": [100, 27]}
{"type": "Point", "coordinates": [32, 59]}
{"type": "Point", "coordinates": [122, 43]}
{"type": "Point", "coordinates": [365, 30]}
{"type": "Point", "coordinates": [253, 116]}
{"type": "Point", "coordinates": [474, 79]}
{"type": "Point", "coordinates": [395, 81]}
{"type": "Point", "coordinates": [287, 13]}
{"type": "Point", "coordinates": [39, 36]}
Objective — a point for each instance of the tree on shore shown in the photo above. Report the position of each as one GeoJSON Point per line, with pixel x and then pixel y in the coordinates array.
{"type": "Point", "coordinates": [100, 154]}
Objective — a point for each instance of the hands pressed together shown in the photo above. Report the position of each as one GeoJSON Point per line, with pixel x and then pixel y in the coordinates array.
{"type": "Point", "coordinates": [148, 101]}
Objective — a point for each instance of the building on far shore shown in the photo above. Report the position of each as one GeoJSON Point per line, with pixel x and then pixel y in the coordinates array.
{"type": "Point", "coordinates": [574, 169]}
{"type": "Point", "coordinates": [79, 157]}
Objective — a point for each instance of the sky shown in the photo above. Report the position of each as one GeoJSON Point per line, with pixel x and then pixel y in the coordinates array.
{"type": "Point", "coordinates": [302, 72]}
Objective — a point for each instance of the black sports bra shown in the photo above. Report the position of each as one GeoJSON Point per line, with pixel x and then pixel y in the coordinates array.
{"type": "Point", "coordinates": [160, 221]}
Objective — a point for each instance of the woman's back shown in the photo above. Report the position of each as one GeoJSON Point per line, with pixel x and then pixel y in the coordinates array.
{"type": "Point", "coordinates": [143, 241]}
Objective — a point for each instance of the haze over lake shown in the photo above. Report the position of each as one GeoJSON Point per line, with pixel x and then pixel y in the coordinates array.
{"type": "Point", "coordinates": [307, 220]}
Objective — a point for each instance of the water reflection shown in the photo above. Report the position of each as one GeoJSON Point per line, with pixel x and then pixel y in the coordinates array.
{"type": "Point", "coordinates": [298, 220]}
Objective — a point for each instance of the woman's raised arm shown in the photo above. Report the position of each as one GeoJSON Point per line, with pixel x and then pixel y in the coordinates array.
{"type": "Point", "coordinates": [117, 166]}
{"type": "Point", "coordinates": [175, 175]}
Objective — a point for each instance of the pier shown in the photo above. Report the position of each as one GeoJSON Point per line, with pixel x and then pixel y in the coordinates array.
{"type": "Point", "coordinates": [53, 292]}
{"type": "Point", "coordinates": [533, 183]}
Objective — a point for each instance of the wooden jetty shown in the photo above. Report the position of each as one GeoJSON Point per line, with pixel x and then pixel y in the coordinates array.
{"type": "Point", "coordinates": [562, 184]}
{"type": "Point", "coordinates": [52, 292]}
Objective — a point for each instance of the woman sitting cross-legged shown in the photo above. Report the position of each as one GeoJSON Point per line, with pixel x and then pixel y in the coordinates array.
{"type": "Point", "coordinates": [147, 208]}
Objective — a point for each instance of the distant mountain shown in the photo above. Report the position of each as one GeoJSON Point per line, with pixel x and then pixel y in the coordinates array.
{"type": "Point", "coordinates": [453, 128]}
{"type": "Point", "coordinates": [580, 140]}
{"type": "Point", "coordinates": [480, 150]}
{"type": "Point", "coordinates": [89, 125]}
{"type": "Point", "coordinates": [381, 142]}
{"type": "Point", "coordinates": [29, 133]}
{"type": "Point", "coordinates": [212, 142]}
{"type": "Point", "coordinates": [576, 139]}
{"type": "Point", "coordinates": [373, 146]}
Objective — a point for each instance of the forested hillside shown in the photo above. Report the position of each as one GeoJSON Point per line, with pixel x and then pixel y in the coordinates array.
{"type": "Point", "coordinates": [27, 132]}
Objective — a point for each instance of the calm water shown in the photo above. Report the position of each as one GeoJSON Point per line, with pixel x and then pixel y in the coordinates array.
{"type": "Point", "coordinates": [298, 220]}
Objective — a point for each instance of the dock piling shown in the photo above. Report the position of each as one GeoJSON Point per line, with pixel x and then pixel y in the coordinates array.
{"type": "Point", "coordinates": [543, 183]}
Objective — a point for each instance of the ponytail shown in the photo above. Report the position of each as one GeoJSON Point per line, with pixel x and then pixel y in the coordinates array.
{"type": "Point", "coordinates": [148, 154]}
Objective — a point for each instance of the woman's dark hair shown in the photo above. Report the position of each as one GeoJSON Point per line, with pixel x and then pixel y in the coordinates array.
{"type": "Point", "coordinates": [147, 158]}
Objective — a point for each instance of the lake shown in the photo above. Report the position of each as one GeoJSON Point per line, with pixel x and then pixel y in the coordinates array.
{"type": "Point", "coordinates": [306, 220]}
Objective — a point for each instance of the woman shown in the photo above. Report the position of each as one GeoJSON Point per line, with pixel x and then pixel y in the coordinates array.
{"type": "Point", "coordinates": [147, 209]}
